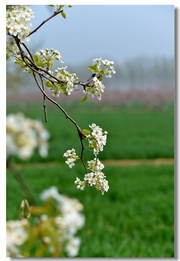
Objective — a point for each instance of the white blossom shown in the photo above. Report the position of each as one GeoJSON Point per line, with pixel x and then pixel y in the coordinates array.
{"type": "Point", "coordinates": [16, 235]}
{"type": "Point", "coordinates": [71, 157]}
{"type": "Point", "coordinates": [68, 220]}
{"type": "Point", "coordinates": [52, 192]}
{"type": "Point", "coordinates": [24, 135]}
{"type": "Point", "coordinates": [72, 246]}
{"type": "Point", "coordinates": [18, 21]}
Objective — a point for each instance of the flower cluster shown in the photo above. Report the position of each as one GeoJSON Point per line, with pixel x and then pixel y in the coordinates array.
{"type": "Point", "coordinates": [67, 82]}
{"type": "Point", "coordinates": [97, 140]}
{"type": "Point", "coordinates": [52, 230]}
{"type": "Point", "coordinates": [68, 220]}
{"type": "Point", "coordinates": [100, 67]}
{"type": "Point", "coordinates": [24, 135]}
{"type": "Point", "coordinates": [11, 48]}
{"type": "Point", "coordinates": [95, 178]}
{"type": "Point", "coordinates": [46, 58]}
{"type": "Point", "coordinates": [95, 88]}
{"type": "Point", "coordinates": [60, 80]}
{"type": "Point", "coordinates": [71, 157]}
{"type": "Point", "coordinates": [105, 67]}
{"type": "Point", "coordinates": [18, 21]}
{"type": "Point", "coordinates": [16, 235]}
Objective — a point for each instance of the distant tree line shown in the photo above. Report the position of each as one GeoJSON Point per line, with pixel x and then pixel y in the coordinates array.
{"type": "Point", "coordinates": [141, 72]}
{"type": "Point", "coordinates": [137, 73]}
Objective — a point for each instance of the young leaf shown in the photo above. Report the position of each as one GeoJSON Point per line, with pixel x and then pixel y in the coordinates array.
{"type": "Point", "coordinates": [40, 64]}
{"type": "Point", "coordinates": [63, 14]}
{"type": "Point", "coordinates": [36, 58]}
{"type": "Point", "coordinates": [48, 84]}
{"type": "Point", "coordinates": [63, 90]}
{"type": "Point", "coordinates": [83, 99]}
{"type": "Point", "coordinates": [100, 77]}
{"type": "Point", "coordinates": [101, 72]}
{"type": "Point", "coordinates": [85, 132]}
{"type": "Point", "coordinates": [92, 68]}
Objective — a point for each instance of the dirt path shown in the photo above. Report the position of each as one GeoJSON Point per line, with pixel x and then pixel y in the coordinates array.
{"type": "Point", "coordinates": [125, 162]}
{"type": "Point", "coordinates": [130, 162]}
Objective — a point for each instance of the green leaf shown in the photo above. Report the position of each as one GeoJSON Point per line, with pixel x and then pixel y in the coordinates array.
{"type": "Point", "coordinates": [63, 14]}
{"type": "Point", "coordinates": [92, 68]}
{"type": "Point", "coordinates": [83, 99]}
{"type": "Point", "coordinates": [101, 72]}
{"type": "Point", "coordinates": [50, 64]}
{"type": "Point", "coordinates": [63, 90]}
{"type": "Point", "coordinates": [48, 84]}
{"type": "Point", "coordinates": [36, 58]}
{"type": "Point", "coordinates": [100, 78]}
{"type": "Point", "coordinates": [61, 87]}
{"type": "Point", "coordinates": [85, 132]}
{"type": "Point", "coordinates": [40, 64]}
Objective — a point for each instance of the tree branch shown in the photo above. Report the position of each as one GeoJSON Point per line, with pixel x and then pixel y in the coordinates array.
{"type": "Point", "coordinates": [20, 180]}
{"type": "Point", "coordinates": [55, 13]}
{"type": "Point", "coordinates": [80, 133]}
{"type": "Point", "coordinates": [39, 69]}
{"type": "Point", "coordinates": [44, 101]}
{"type": "Point", "coordinates": [29, 61]}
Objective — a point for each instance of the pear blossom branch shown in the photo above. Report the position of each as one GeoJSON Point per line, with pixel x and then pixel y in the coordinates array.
{"type": "Point", "coordinates": [80, 133]}
{"type": "Point", "coordinates": [59, 106]}
{"type": "Point", "coordinates": [38, 70]}
{"type": "Point", "coordinates": [45, 21]}
{"type": "Point", "coordinates": [61, 81]}
{"type": "Point", "coordinates": [64, 81]}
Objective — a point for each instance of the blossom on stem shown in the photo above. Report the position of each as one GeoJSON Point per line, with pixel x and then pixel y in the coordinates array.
{"type": "Point", "coordinates": [71, 157]}
{"type": "Point", "coordinates": [70, 162]}
{"type": "Point", "coordinates": [54, 226]}
{"type": "Point", "coordinates": [95, 165]}
{"type": "Point", "coordinates": [18, 21]}
{"type": "Point", "coordinates": [68, 219]}
{"type": "Point", "coordinates": [16, 235]}
{"type": "Point", "coordinates": [96, 179]}
{"type": "Point", "coordinates": [24, 135]}
{"type": "Point", "coordinates": [100, 67]}
{"type": "Point", "coordinates": [72, 246]}
{"type": "Point", "coordinates": [97, 139]}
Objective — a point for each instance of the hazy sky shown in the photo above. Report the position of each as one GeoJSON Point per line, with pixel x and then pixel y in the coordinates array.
{"type": "Point", "coordinates": [115, 32]}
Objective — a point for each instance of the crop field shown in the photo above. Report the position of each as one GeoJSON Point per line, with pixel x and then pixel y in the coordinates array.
{"type": "Point", "coordinates": [135, 218]}
{"type": "Point", "coordinates": [133, 133]}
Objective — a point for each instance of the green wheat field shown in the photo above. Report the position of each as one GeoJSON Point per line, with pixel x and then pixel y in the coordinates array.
{"type": "Point", "coordinates": [135, 218]}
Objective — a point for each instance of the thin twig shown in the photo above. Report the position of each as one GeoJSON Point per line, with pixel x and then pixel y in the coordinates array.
{"type": "Point", "coordinates": [59, 106]}
{"type": "Point", "coordinates": [81, 157]}
{"type": "Point", "coordinates": [22, 183]}
{"type": "Point", "coordinates": [80, 133]}
{"type": "Point", "coordinates": [55, 13]}
{"type": "Point", "coordinates": [28, 60]}
{"type": "Point", "coordinates": [39, 69]}
{"type": "Point", "coordinates": [27, 49]}
{"type": "Point", "coordinates": [44, 101]}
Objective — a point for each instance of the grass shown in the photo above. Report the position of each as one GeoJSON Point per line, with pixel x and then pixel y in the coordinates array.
{"type": "Point", "coordinates": [134, 219]}
{"type": "Point", "coordinates": [132, 133]}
